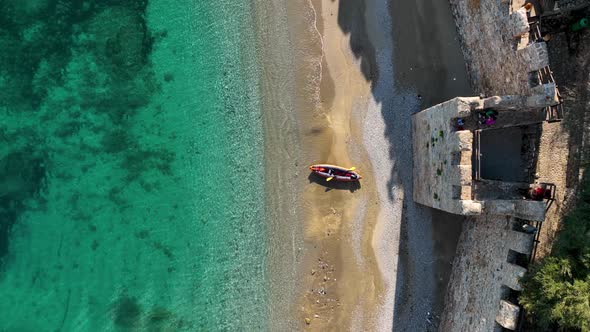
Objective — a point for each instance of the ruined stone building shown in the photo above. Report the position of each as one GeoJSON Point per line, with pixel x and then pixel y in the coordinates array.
{"type": "Point", "coordinates": [483, 170]}
{"type": "Point", "coordinates": [467, 166]}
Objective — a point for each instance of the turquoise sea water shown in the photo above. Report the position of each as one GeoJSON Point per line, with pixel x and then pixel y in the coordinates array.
{"type": "Point", "coordinates": [131, 175]}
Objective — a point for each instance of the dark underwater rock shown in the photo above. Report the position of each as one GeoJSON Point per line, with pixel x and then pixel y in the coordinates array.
{"type": "Point", "coordinates": [122, 40]}
{"type": "Point", "coordinates": [22, 177]}
{"type": "Point", "coordinates": [127, 312]}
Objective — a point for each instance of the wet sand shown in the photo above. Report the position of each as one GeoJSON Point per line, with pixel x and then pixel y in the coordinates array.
{"type": "Point", "coordinates": [291, 53]}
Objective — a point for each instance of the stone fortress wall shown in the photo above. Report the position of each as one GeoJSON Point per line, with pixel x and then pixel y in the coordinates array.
{"type": "Point", "coordinates": [485, 270]}
{"type": "Point", "coordinates": [496, 44]}
{"type": "Point", "coordinates": [502, 55]}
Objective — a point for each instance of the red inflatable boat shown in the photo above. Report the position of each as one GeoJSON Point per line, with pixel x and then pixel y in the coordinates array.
{"type": "Point", "coordinates": [336, 173]}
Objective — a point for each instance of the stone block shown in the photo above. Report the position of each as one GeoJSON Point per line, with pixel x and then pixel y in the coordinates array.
{"type": "Point", "coordinates": [476, 103]}
{"type": "Point", "coordinates": [465, 172]}
{"type": "Point", "coordinates": [507, 315]}
{"type": "Point", "coordinates": [511, 276]}
{"type": "Point", "coordinates": [520, 242]}
{"type": "Point", "coordinates": [524, 209]}
{"type": "Point", "coordinates": [529, 210]}
{"type": "Point", "coordinates": [470, 208]}
{"type": "Point", "coordinates": [499, 207]}
{"type": "Point", "coordinates": [465, 193]}
{"type": "Point", "coordinates": [511, 102]}
{"type": "Point", "coordinates": [534, 56]}
{"type": "Point", "coordinates": [543, 95]}
{"type": "Point", "coordinates": [465, 158]}
{"type": "Point", "coordinates": [464, 140]}
{"type": "Point", "coordinates": [518, 23]}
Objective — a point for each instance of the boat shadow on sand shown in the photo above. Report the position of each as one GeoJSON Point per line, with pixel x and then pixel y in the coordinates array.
{"type": "Point", "coordinates": [329, 185]}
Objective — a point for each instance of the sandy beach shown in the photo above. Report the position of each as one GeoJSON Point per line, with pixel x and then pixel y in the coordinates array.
{"type": "Point", "coordinates": [342, 283]}
{"type": "Point", "coordinates": [360, 257]}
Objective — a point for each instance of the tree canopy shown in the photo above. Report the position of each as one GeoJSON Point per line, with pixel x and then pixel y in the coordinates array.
{"type": "Point", "coordinates": [557, 288]}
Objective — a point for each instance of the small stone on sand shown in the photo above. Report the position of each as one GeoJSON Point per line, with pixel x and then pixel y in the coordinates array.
{"type": "Point", "coordinates": [307, 321]}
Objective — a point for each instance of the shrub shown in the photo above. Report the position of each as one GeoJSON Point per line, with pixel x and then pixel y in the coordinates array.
{"type": "Point", "coordinates": [557, 289]}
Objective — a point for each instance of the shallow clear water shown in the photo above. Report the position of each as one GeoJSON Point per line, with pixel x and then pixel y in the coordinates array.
{"type": "Point", "coordinates": [131, 176]}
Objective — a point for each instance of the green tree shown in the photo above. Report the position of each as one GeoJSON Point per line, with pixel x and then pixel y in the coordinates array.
{"type": "Point", "coordinates": [557, 289]}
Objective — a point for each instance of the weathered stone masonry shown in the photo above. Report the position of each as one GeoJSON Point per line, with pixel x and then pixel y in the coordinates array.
{"type": "Point", "coordinates": [501, 59]}
{"type": "Point", "coordinates": [500, 55]}
{"type": "Point", "coordinates": [443, 160]}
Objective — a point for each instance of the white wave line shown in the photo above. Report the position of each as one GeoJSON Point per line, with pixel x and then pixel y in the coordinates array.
{"type": "Point", "coordinates": [319, 34]}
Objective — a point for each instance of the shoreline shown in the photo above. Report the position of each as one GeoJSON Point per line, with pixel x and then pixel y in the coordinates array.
{"type": "Point", "coordinates": [285, 87]}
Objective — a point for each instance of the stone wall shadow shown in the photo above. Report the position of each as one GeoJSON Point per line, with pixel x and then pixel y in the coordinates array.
{"type": "Point", "coordinates": [351, 21]}
{"type": "Point", "coordinates": [428, 68]}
